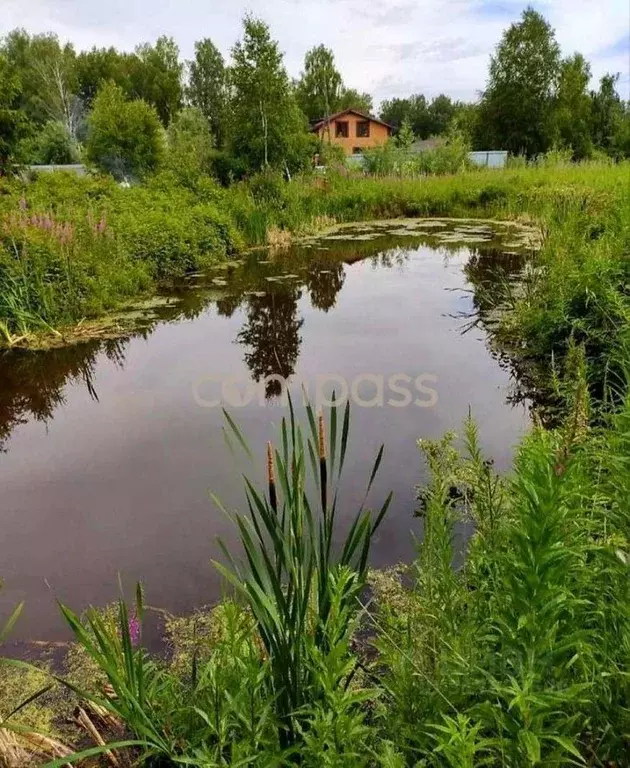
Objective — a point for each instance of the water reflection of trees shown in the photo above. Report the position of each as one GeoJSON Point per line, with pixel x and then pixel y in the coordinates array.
{"type": "Point", "coordinates": [393, 257]}
{"type": "Point", "coordinates": [32, 384]}
{"type": "Point", "coordinates": [323, 282]}
{"type": "Point", "coordinates": [493, 275]}
{"type": "Point", "coordinates": [272, 335]}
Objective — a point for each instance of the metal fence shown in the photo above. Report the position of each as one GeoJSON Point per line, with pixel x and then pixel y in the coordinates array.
{"type": "Point", "coordinates": [76, 168]}
{"type": "Point", "coordinates": [494, 158]}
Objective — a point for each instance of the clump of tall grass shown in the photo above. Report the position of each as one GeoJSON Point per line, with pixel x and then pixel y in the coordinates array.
{"type": "Point", "coordinates": [278, 239]}
{"type": "Point", "coordinates": [301, 590]}
{"type": "Point", "coordinates": [390, 160]}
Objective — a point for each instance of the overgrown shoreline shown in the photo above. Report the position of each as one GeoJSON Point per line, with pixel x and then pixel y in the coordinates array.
{"type": "Point", "coordinates": [518, 658]}
{"type": "Point", "coordinates": [73, 250]}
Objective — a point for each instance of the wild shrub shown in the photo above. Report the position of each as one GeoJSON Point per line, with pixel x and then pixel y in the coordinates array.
{"type": "Point", "coordinates": [510, 657]}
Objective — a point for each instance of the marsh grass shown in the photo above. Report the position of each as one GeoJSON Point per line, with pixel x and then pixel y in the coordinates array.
{"type": "Point", "coordinates": [513, 650]}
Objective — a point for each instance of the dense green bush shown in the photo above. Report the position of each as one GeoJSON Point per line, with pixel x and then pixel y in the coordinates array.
{"type": "Point", "coordinates": [52, 145]}
{"type": "Point", "coordinates": [125, 138]}
{"type": "Point", "coordinates": [86, 245]}
{"type": "Point", "coordinates": [171, 230]}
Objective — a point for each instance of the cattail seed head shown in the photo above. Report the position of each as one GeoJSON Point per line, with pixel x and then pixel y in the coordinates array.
{"type": "Point", "coordinates": [271, 475]}
{"type": "Point", "coordinates": [271, 479]}
{"type": "Point", "coordinates": [322, 438]}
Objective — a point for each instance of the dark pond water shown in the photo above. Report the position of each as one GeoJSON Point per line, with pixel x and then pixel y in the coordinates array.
{"type": "Point", "coordinates": [110, 449]}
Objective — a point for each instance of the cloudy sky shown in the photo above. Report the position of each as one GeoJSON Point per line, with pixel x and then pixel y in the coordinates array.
{"type": "Point", "coordinates": [387, 47]}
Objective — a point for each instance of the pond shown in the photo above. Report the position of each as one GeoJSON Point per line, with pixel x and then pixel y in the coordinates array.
{"type": "Point", "coordinates": [109, 449]}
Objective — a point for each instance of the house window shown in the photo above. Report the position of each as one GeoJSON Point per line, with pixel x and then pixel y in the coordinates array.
{"type": "Point", "coordinates": [357, 150]}
{"type": "Point", "coordinates": [341, 129]}
{"type": "Point", "coordinates": [363, 129]}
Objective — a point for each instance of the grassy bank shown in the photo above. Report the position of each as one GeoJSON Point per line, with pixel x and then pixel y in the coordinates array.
{"type": "Point", "coordinates": [73, 249]}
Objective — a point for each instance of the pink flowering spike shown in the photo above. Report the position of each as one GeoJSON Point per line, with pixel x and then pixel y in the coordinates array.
{"type": "Point", "coordinates": [134, 630]}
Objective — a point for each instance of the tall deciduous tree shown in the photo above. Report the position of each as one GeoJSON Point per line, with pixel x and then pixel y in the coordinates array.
{"type": "Point", "coordinates": [11, 115]}
{"type": "Point", "coordinates": [465, 121]}
{"type": "Point", "coordinates": [16, 49]}
{"type": "Point", "coordinates": [396, 111]}
{"type": "Point", "coordinates": [47, 72]}
{"type": "Point", "coordinates": [207, 86]}
{"type": "Point", "coordinates": [353, 99]}
{"type": "Point", "coordinates": [517, 106]}
{"type": "Point", "coordinates": [320, 86]}
{"type": "Point", "coordinates": [441, 112]}
{"type": "Point", "coordinates": [607, 114]}
{"type": "Point", "coordinates": [100, 65]}
{"type": "Point", "coordinates": [189, 144]}
{"type": "Point", "coordinates": [573, 106]}
{"type": "Point", "coordinates": [426, 118]}
{"type": "Point", "coordinates": [268, 128]}
{"type": "Point", "coordinates": [53, 68]}
{"type": "Point", "coordinates": [156, 77]}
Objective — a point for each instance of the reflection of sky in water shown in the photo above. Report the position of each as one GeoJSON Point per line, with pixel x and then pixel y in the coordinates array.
{"type": "Point", "coordinates": [121, 483]}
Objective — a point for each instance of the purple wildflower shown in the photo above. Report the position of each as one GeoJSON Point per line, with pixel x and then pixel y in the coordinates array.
{"type": "Point", "coordinates": [134, 630]}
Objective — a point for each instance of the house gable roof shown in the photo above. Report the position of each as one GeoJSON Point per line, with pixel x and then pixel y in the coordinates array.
{"type": "Point", "coordinates": [322, 122]}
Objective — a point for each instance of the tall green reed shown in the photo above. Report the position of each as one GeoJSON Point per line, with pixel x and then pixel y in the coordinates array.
{"type": "Point", "coordinates": [291, 561]}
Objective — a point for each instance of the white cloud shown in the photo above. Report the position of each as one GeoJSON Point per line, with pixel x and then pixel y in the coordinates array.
{"type": "Point", "coordinates": [386, 47]}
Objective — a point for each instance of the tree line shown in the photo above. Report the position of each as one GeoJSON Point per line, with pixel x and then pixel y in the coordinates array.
{"type": "Point", "coordinates": [534, 100]}
{"type": "Point", "coordinates": [129, 113]}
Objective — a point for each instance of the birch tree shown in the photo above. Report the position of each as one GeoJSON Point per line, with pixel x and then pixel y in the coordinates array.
{"type": "Point", "coordinates": [320, 85]}
{"type": "Point", "coordinates": [267, 126]}
{"type": "Point", "coordinates": [207, 86]}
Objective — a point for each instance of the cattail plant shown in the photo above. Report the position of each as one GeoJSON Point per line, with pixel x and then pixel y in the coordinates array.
{"type": "Point", "coordinates": [289, 575]}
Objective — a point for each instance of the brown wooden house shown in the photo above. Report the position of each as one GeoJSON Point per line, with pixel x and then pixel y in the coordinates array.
{"type": "Point", "coordinates": [353, 131]}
